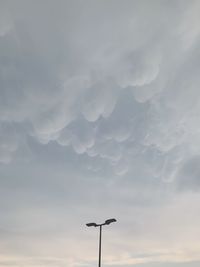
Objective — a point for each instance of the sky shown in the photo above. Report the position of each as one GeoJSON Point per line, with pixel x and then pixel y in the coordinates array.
{"type": "Point", "coordinates": [99, 118]}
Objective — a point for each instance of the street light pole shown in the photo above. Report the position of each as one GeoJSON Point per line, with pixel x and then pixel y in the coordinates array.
{"type": "Point", "coordinates": [107, 222]}
{"type": "Point", "coordinates": [100, 232]}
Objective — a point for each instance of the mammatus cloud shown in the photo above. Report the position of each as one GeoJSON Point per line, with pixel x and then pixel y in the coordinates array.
{"type": "Point", "coordinates": [61, 72]}
{"type": "Point", "coordinates": [99, 100]}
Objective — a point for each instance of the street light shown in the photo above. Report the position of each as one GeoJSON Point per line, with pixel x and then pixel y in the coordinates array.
{"type": "Point", "coordinates": [107, 222]}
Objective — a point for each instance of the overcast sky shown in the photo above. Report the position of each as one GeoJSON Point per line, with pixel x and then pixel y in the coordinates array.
{"type": "Point", "coordinates": [99, 118]}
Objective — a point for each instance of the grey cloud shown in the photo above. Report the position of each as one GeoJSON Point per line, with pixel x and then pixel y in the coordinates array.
{"type": "Point", "coordinates": [189, 175]}
{"type": "Point", "coordinates": [9, 142]}
{"type": "Point", "coordinates": [52, 103]}
{"type": "Point", "coordinates": [99, 115]}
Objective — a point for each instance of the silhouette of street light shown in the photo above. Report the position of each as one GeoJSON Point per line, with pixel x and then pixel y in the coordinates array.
{"type": "Point", "coordinates": [107, 222]}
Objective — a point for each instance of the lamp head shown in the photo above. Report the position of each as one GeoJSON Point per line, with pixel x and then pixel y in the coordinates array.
{"type": "Point", "coordinates": [91, 224]}
{"type": "Point", "coordinates": [110, 221]}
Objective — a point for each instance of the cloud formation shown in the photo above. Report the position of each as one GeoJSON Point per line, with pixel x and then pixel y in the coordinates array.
{"type": "Point", "coordinates": [106, 92]}
{"type": "Point", "coordinates": [57, 73]}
